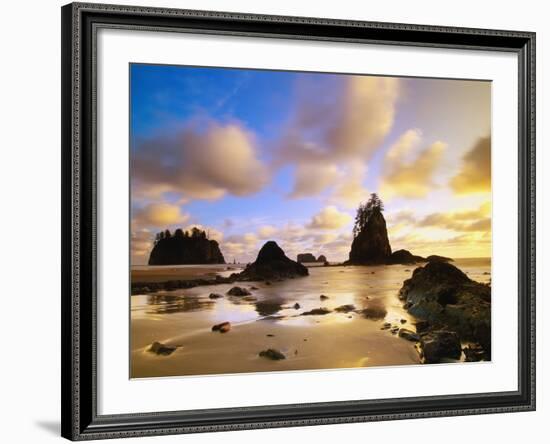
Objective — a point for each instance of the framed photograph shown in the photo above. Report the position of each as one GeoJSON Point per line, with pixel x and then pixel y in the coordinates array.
{"type": "Point", "coordinates": [283, 221]}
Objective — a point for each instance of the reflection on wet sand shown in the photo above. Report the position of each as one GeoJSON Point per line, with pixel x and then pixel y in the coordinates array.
{"type": "Point", "coordinates": [359, 329]}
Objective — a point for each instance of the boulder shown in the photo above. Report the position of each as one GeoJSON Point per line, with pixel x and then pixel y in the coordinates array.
{"type": "Point", "coordinates": [345, 308]}
{"type": "Point", "coordinates": [159, 348]}
{"type": "Point", "coordinates": [215, 296]}
{"type": "Point", "coordinates": [238, 291]}
{"type": "Point", "coordinates": [224, 327]}
{"type": "Point", "coordinates": [273, 354]}
{"type": "Point", "coordinates": [404, 257]}
{"type": "Point", "coordinates": [438, 345]}
{"type": "Point", "coordinates": [443, 295]}
{"type": "Point", "coordinates": [375, 312]}
{"type": "Point", "coordinates": [371, 245]}
{"type": "Point", "coordinates": [272, 263]}
{"type": "Point", "coordinates": [322, 258]}
{"type": "Point", "coordinates": [408, 335]}
{"type": "Point", "coordinates": [306, 257]}
{"type": "Point", "coordinates": [316, 311]}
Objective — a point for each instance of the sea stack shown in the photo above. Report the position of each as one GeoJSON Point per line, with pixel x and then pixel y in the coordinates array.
{"type": "Point", "coordinates": [183, 248]}
{"type": "Point", "coordinates": [371, 245]}
{"type": "Point", "coordinates": [272, 263]}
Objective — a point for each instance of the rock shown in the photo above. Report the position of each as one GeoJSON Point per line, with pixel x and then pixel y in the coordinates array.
{"type": "Point", "coordinates": [185, 248]}
{"type": "Point", "coordinates": [272, 263]}
{"type": "Point", "coordinates": [421, 326]}
{"type": "Point", "coordinates": [238, 291]}
{"type": "Point", "coordinates": [224, 327]}
{"type": "Point", "coordinates": [159, 348]}
{"type": "Point", "coordinates": [267, 283]}
{"type": "Point", "coordinates": [322, 259]}
{"type": "Point", "coordinates": [215, 296]}
{"type": "Point", "coordinates": [273, 354]}
{"type": "Point", "coordinates": [408, 335]}
{"type": "Point", "coordinates": [306, 257]}
{"type": "Point", "coordinates": [394, 330]}
{"type": "Point", "coordinates": [404, 257]}
{"type": "Point", "coordinates": [345, 308]}
{"type": "Point", "coordinates": [249, 298]}
{"type": "Point", "coordinates": [374, 312]}
{"type": "Point", "coordinates": [296, 306]}
{"type": "Point", "coordinates": [253, 288]}
{"type": "Point", "coordinates": [403, 321]}
{"type": "Point", "coordinates": [316, 311]}
{"type": "Point", "coordinates": [444, 296]}
{"type": "Point", "coordinates": [269, 335]}
{"type": "Point", "coordinates": [438, 345]}
{"type": "Point", "coordinates": [371, 245]}
{"type": "Point", "coordinates": [436, 258]}
{"type": "Point", "coordinates": [474, 353]}
{"type": "Point", "coordinates": [323, 297]}
{"type": "Point", "coordinates": [386, 326]}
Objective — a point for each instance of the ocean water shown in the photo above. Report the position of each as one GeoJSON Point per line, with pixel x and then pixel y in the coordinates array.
{"type": "Point", "coordinates": [268, 319]}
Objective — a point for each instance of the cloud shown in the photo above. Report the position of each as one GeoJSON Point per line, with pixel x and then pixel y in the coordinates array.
{"type": "Point", "coordinates": [329, 218]}
{"type": "Point", "coordinates": [350, 191]}
{"type": "Point", "coordinates": [313, 178]}
{"type": "Point", "coordinates": [477, 220]}
{"type": "Point", "coordinates": [266, 231]}
{"type": "Point", "coordinates": [336, 126]}
{"type": "Point", "coordinates": [203, 161]}
{"type": "Point", "coordinates": [408, 172]}
{"type": "Point", "coordinates": [159, 215]}
{"type": "Point", "coordinates": [141, 245]}
{"type": "Point", "coordinates": [475, 173]}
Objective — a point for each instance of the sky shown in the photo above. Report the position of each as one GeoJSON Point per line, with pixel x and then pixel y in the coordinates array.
{"type": "Point", "coordinates": [255, 155]}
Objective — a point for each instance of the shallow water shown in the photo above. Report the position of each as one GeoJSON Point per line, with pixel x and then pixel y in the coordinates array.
{"type": "Point", "coordinates": [268, 319]}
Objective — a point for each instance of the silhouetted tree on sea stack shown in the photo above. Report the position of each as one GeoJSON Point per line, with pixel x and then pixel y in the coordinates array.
{"type": "Point", "coordinates": [364, 212]}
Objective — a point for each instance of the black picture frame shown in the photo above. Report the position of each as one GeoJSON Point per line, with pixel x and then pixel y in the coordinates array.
{"type": "Point", "coordinates": [80, 22]}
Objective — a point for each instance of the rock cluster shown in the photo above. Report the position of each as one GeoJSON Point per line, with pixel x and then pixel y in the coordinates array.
{"type": "Point", "coordinates": [451, 308]}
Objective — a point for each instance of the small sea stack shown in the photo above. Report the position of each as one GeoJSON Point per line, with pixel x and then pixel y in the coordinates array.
{"type": "Point", "coordinates": [272, 263]}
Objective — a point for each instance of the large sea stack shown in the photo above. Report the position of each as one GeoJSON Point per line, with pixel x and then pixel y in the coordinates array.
{"type": "Point", "coordinates": [272, 263]}
{"type": "Point", "coordinates": [184, 248]}
{"type": "Point", "coordinates": [371, 245]}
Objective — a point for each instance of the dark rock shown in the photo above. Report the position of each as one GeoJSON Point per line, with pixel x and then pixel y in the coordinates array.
{"type": "Point", "coordinates": [386, 326]}
{"type": "Point", "coordinates": [374, 312]}
{"type": "Point", "coordinates": [184, 248]}
{"type": "Point", "coordinates": [371, 246]}
{"type": "Point", "coordinates": [322, 259]}
{"type": "Point", "coordinates": [403, 321]}
{"type": "Point", "coordinates": [272, 354]}
{"type": "Point", "coordinates": [161, 349]}
{"type": "Point", "coordinates": [296, 306]}
{"type": "Point", "coordinates": [269, 335]}
{"type": "Point", "coordinates": [252, 287]}
{"type": "Point", "coordinates": [421, 326]}
{"type": "Point", "coordinates": [238, 291]}
{"type": "Point", "coordinates": [323, 297]}
{"type": "Point", "coordinates": [345, 308]}
{"type": "Point", "coordinates": [215, 296]}
{"type": "Point", "coordinates": [408, 335]}
{"type": "Point", "coordinates": [272, 263]}
{"type": "Point", "coordinates": [404, 257]}
{"type": "Point", "coordinates": [474, 353]}
{"type": "Point", "coordinates": [224, 327]}
{"type": "Point", "coordinates": [436, 258]}
{"type": "Point", "coordinates": [438, 345]}
{"type": "Point", "coordinates": [316, 311]}
{"type": "Point", "coordinates": [306, 257]}
{"type": "Point", "coordinates": [443, 295]}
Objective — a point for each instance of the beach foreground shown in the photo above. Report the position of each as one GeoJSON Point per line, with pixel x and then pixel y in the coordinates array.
{"type": "Point", "coordinates": [274, 316]}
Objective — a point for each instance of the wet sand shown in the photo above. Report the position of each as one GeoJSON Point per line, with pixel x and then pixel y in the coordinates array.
{"type": "Point", "coordinates": [268, 319]}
